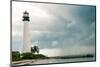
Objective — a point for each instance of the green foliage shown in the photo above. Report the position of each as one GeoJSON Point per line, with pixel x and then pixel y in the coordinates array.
{"type": "Point", "coordinates": [15, 56]}
{"type": "Point", "coordinates": [40, 56]}
{"type": "Point", "coordinates": [27, 55]}
{"type": "Point", "coordinates": [32, 56]}
{"type": "Point", "coordinates": [32, 50]}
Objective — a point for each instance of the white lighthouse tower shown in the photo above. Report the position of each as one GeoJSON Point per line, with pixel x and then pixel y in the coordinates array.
{"type": "Point", "coordinates": [26, 33]}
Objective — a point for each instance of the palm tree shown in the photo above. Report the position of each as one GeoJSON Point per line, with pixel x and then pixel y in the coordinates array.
{"type": "Point", "coordinates": [32, 50]}
{"type": "Point", "coordinates": [35, 49]}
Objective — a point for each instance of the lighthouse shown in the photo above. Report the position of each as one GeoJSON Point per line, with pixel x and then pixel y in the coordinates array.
{"type": "Point", "coordinates": [26, 33]}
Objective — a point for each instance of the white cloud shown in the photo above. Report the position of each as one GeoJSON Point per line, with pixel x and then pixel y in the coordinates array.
{"type": "Point", "coordinates": [50, 52]}
{"type": "Point", "coordinates": [36, 43]}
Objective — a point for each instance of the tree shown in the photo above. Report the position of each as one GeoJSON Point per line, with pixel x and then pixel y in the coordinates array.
{"type": "Point", "coordinates": [32, 50]}
{"type": "Point", "coordinates": [35, 49]}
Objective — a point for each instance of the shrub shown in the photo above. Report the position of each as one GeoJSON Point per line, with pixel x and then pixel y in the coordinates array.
{"type": "Point", "coordinates": [27, 55]}
{"type": "Point", "coordinates": [32, 56]}
{"type": "Point", "coordinates": [15, 56]}
{"type": "Point", "coordinates": [40, 56]}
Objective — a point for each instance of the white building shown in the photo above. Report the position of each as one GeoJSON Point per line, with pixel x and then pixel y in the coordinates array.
{"type": "Point", "coordinates": [26, 33]}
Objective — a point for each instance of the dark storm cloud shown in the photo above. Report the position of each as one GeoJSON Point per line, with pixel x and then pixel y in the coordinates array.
{"type": "Point", "coordinates": [77, 33]}
{"type": "Point", "coordinates": [86, 14]}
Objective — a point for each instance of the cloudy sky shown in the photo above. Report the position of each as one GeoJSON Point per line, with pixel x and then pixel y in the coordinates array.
{"type": "Point", "coordinates": [56, 29]}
